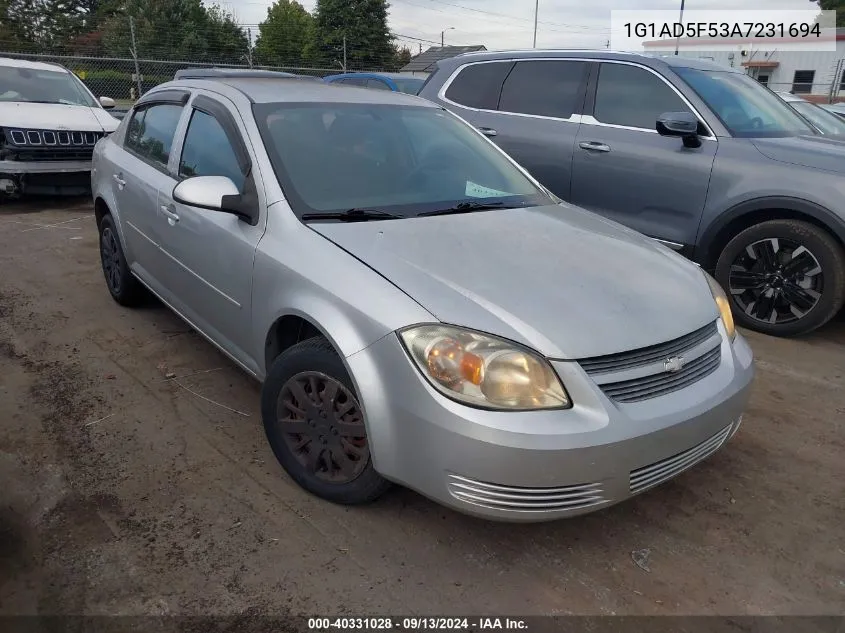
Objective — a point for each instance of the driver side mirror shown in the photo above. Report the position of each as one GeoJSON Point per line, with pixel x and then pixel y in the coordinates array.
{"type": "Point", "coordinates": [683, 124]}
{"type": "Point", "coordinates": [215, 193]}
{"type": "Point", "coordinates": [107, 103]}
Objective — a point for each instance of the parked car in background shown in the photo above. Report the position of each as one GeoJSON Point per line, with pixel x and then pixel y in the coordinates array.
{"type": "Point", "coordinates": [429, 314]}
{"type": "Point", "coordinates": [824, 121]}
{"type": "Point", "coordinates": [49, 124]}
{"type": "Point", "coordinates": [698, 156]}
{"type": "Point", "coordinates": [397, 82]}
{"type": "Point", "coordinates": [836, 108]}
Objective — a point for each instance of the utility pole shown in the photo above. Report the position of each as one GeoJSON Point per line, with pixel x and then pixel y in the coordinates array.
{"type": "Point", "coordinates": [681, 20]}
{"type": "Point", "coordinates": [134, 52]}
{"type": "Point", "coordinates": [249, 47]}
{"type": "Point", "coordinates": [344, 53]}
{"type": "Point", "coordinates": [536, 13]}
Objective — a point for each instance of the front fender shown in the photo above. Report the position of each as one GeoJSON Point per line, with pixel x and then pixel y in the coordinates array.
{"type": "Point", "coordinates": [819, 213]}
{"type": "Point", "coordinates": [301, 273]}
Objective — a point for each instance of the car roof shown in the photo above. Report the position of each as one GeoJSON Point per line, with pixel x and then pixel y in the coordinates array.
{"type": "Point", "coordinates": [25, 63]}
{"type": "Point", "coordinates": [591, 54]}
{"type": "Point", "coordinates": [392, 76]}
{"type": "Point", "coordinates": [263, 90]}
{"type": "Point", "coordinates": [188, 73]}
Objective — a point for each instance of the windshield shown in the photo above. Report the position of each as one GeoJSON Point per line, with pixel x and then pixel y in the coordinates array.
{"type": "Point", "coordinates": [826, 122]}
{"type": "Point", "coordinates": [42, 86]}
{"type": "Point", "coordinates": [745, 107]}
{"type": "Point", "coordinates": [332, 157]}
{"type": "Point", "coordinates": [408, 85]}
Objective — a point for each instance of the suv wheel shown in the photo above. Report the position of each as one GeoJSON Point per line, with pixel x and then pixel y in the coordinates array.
{"type": "Point", "coordinates": [784, 277]}
{"type": "Point", "coordinates": [315, 424]}
{"type": "Point", "coordinates": [123, 286]}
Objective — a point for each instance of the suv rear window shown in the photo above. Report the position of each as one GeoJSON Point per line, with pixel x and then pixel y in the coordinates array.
{"type": "Point", "coordinates": [479, 85]}
{"type": "Point", "coordinates": [546, 88]}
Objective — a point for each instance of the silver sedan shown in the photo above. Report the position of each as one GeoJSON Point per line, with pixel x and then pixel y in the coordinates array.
{"type": "Point", "coordinates": [419, 309]}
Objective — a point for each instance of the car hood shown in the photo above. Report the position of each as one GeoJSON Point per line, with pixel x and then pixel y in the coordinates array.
{"type": "Point", "coordinates": [56, 116]}
{"type": "Point", "coordinates": [818, 152]}
{"type": "Point", "coordinates": [561, 280]}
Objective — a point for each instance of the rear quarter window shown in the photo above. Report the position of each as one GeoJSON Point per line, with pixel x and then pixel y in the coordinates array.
{"type": "Point", "coordinates": [479, 85]}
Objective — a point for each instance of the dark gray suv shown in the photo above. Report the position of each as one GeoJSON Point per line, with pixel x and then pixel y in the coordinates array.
{"type": "Point", "coordinates": [697, 156]}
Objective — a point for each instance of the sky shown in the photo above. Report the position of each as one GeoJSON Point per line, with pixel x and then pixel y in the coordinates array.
{"type": "Point", "coordinates": [501, 24]}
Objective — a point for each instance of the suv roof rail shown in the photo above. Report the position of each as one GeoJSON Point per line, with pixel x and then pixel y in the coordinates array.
{"type": "Point", "coordinates": [236, 73]}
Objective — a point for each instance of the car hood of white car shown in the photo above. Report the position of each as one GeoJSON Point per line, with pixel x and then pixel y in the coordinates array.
{"type": "Point", "coordinates": [55, 116]}
{"type": "Point", "coordinates": [559, 279]}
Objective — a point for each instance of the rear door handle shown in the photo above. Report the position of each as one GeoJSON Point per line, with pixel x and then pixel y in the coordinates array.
{"type": "Point", "coordinates": [121, 183]}
{"type": "Point", "coordinates": [172, 216]}
{"type": "Point", "coordinates": [488, 132]}
{"type": "Point", "coordinates": [594, 146]}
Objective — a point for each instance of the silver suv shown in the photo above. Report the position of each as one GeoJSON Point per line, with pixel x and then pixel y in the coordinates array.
{"type": "Point", "coordinates": [700, 157]}
{"type": "Point", "coordinates": [419, 309]}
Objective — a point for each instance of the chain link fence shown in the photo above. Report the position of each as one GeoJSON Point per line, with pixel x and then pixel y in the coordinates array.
{"type": "Point", "coordinates": [117, 78]}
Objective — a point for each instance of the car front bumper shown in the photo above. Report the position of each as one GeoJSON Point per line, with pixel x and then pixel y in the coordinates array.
{"type": "Point", "coordinates": [542, 465]}
{"type": "Point", "coordinates": [44, 167]}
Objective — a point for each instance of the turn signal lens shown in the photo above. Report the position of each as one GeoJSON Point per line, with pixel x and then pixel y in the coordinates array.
{"type": "Point", "coordinates": [484, 370]}
{"type": "Point", "coordinates": [724, 305]}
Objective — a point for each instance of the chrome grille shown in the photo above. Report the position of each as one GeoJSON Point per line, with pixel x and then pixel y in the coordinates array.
{"type": "Point", "coordinates": [661, 471]}
{"type": "Point", "coordinates": [647, 355]}
{"type": "Point", "coordinates": [524, 499]}
{"type": "Point", "coordinates": [660, 384]}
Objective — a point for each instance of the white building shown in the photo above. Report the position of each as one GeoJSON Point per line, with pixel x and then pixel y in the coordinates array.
{"type": "Point", "coordinates": [819, 75]}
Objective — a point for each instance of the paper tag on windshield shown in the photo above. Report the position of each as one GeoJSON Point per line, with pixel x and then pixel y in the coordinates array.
{"type": "Point", "coordinates": [477, 191]}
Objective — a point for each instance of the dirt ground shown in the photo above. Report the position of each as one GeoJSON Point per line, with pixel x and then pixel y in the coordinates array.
{"type": "Point", "coordinates": [122, 492]}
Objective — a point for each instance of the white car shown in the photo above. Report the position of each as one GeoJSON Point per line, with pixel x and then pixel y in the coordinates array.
{"type": "Point", "coordinates": [49, 124]}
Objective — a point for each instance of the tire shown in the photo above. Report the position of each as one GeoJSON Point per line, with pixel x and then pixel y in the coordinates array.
{"type": "Point", "coordinates": [330, 436]}
{"type": "Point", "coordinates": [122, 285]}
{"type": "Point", "coordinates": [798, 270]}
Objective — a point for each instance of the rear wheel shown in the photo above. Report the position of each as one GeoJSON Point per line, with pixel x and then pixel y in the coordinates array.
{"type": "Point", "coordinates": [784, 277]}
{"type": "Point", "coordinates": [315, 424]}
{"type": "Point", "coordinates": [123, 286]}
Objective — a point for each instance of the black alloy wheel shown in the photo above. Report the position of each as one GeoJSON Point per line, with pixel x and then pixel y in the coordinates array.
{"type": "Point", "coordinates": [776, 280]}
{"type": "Point", "coordinates": [783, 277]}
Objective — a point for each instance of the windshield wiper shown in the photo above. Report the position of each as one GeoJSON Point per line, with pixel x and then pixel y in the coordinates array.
{"type": "Point", "coordinates": [464, 207]}
{"type": "Point", "coordinates": [353, 215]}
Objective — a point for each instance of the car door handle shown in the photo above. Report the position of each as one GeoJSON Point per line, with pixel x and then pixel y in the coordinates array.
{"type": "Point", "coordinates": [172, 216]}
{"type": "Point", "coordinates": [594, 146]}
{"type": "Point", "coordinates": [488, 132]}
{"type": "Point", "coordinates": [121, 183]}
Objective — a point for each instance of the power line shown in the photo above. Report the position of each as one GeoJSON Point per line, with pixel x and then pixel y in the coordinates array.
{"type": "Point", "coordinates": [574, 28]}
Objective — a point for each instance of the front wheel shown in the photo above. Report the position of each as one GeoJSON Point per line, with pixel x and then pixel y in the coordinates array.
{"type": "Point", "coordinates": [784, 277]}
{"type": "Point", "coordinates": [315, 424]}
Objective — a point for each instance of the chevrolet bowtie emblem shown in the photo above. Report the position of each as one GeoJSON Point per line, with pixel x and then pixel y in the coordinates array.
{"type": "Point", "coordinates": [673, 364]}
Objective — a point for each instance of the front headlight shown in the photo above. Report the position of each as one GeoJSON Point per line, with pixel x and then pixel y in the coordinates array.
{"type": "Point", "coordinates": [724, 305]}
{"type": "Point", "coordinates": [483, 370]}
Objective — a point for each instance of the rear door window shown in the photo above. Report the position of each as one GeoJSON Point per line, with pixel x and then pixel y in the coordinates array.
{"type": "Point", "coordinates": [479, 85]}
{"type": "Point", "coordinates": [633, 97]}
{"type": "Point", "coordinates": [545, 87]}
{"type": "Point", "coordinates": [151, 131]}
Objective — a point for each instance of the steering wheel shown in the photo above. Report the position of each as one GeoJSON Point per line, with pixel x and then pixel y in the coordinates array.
{"type": "Point", "coordinates": [756, 123]}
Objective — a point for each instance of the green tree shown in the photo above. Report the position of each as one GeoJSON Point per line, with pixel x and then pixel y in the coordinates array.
{"type": "Point", "coordinates": [176, 30]}
{"type": "Point", "coordinates": [834, 5]}
{"type": "Point", "coordinates": [285, 37]}
{"type": "Point", "coordinates": [402, 57]}
{"type": "Point", "coordinates": [363, 24]}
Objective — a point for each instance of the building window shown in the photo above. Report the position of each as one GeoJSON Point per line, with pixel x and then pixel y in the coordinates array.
{"type": "Point", "coordinates": [763, 79]}
{"type": "Point", "coordinates": [802, 83]}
